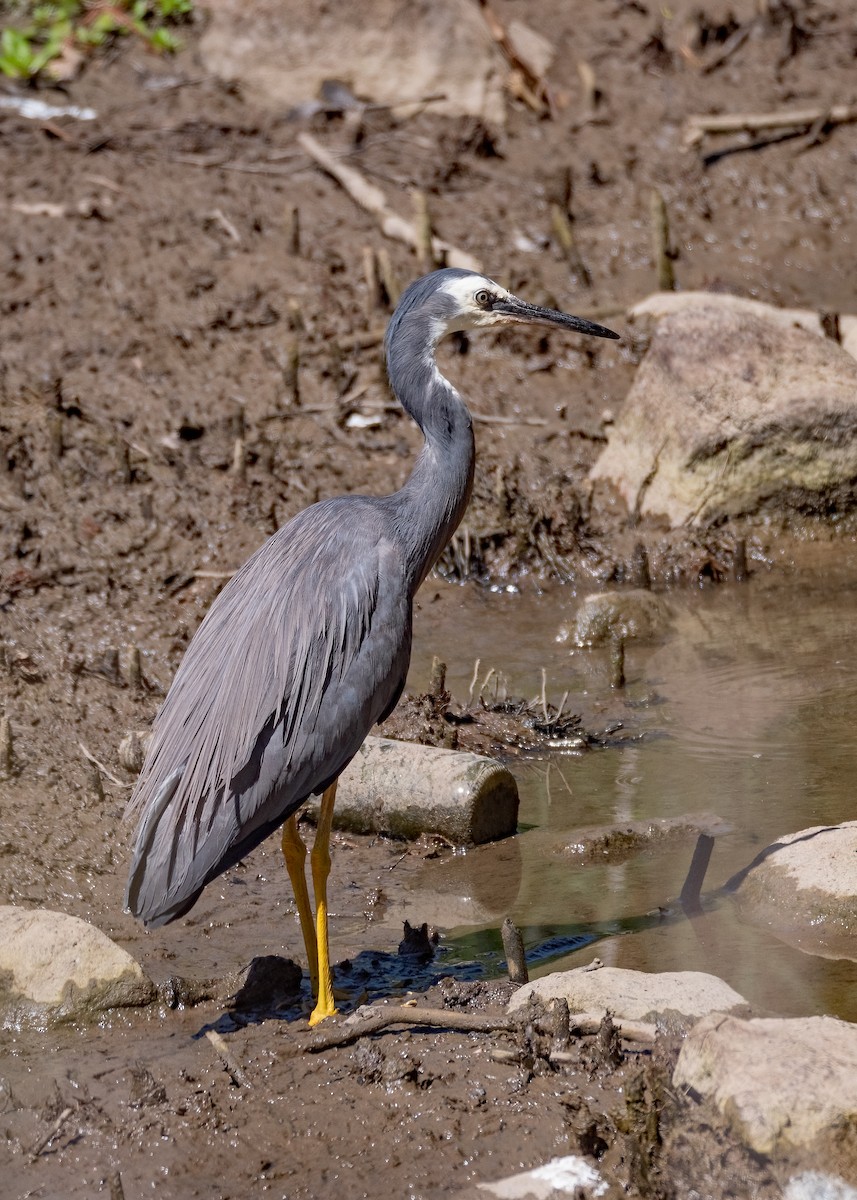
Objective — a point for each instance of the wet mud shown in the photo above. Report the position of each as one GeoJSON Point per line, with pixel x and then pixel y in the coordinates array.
{"type": "Point", "coordinates": [177, 379]}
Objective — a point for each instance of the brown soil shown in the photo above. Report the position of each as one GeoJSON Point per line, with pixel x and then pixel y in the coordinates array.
{"type": "Point", "coordinates": [144, 327]}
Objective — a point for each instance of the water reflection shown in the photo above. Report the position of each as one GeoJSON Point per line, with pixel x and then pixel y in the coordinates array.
{"type": "Point", "coordinates": [756, 690]}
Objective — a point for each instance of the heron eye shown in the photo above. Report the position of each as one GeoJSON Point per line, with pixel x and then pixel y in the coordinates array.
{"type": "Point", "coordinates": [483, 298]}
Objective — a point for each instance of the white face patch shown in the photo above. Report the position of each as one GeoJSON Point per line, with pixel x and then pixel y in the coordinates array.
{"type": "Point", "coordinates": [471, 315]}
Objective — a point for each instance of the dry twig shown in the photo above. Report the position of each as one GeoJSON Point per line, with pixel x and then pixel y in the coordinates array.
{"type": "Point", "coordinates": [696, 127]}
{"type": "Point", "coordinates": [373, 200]}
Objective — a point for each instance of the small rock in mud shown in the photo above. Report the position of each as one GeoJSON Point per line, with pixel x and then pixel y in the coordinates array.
{"type": "Point", "coordinates": [271, 983]}
{"type": "Point", "coordinates": [604, 616]}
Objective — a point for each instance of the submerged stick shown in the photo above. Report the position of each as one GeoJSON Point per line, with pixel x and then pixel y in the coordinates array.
{"type": "Point", "coordinates": [373, 200]}
{"type": "Point", "coordinates": [513, 948]}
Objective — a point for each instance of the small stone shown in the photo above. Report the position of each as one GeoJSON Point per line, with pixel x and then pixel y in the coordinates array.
{"type": "Point", "coordinates": [605, 616]}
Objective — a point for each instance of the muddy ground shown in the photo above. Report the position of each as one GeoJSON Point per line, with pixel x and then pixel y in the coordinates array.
{"type": "Point", "coordinates": [149, 307]}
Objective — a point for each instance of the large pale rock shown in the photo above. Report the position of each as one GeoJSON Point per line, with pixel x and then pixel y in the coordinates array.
{"type": "Point", "coordinates": [55, 967]}
{"type": "Point", "coordinates": [780, 1082]}
{"type": "Point", "coordinates": [399, 51]}
{"type": "Point", "coordinates": [732, 413]}
{"type": "Point", "coordinates": [404, 790]}
{"type": "Point", "coordinates": [634, 995]}
{"type": "Point", "coordinates": [814, 1185]}
{"type": "Point", "coordinates": [664, 304]}
{"type": "Point", "coordinates": [804, 889]}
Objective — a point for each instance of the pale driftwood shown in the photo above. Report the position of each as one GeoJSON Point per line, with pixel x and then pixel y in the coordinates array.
{"type": "Point", "coordinates": [696, 127]}
{"type": "Point", "coordinates": [91, 757]}
{"type": "Point", "coordinates": [373, 200]}
{"type": "Point", "coordinates": [233, 1067]}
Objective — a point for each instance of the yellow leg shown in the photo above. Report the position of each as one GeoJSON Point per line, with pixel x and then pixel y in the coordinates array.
{"type": "Point", "coordinates": [294, 852]}
{"type": "Point", "coordinates": [320, 862]}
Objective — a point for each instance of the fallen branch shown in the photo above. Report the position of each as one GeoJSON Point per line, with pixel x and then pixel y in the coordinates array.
{"type": "Point", "coordinates": [437, 1018]}
{"type": "Point", "coordinates": [89, 755]}
{"type": "Point", "coordinates": [373, 200]}
{"type": "Point", "coordinates": [696, 127]}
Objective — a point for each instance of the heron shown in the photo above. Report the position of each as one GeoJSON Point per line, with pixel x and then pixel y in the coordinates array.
{"type": "Point", "coordinates": [308, 645]}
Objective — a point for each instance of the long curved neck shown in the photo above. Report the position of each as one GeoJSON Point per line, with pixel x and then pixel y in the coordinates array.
{"type": "Point", "coordinates": [432, 502]}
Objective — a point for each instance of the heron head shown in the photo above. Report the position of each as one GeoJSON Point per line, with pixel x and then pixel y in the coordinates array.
{"type": "Point", "coordinates": [472, 301]}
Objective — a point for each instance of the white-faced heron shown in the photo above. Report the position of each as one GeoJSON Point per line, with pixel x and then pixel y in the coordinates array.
{"type": "Point", "coordinates": [308, 645]}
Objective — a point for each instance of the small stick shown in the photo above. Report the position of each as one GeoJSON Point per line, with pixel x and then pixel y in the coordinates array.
{"type": "Point", "coordinates": [373, 200]}
{"type": "Point", "coordinates": [696, 127]}
{"type": "Point", "coordinates": [617, 662]}
{"type": "Point", "coordinates": [473, 682]}
{"type": "Point", "coordinates": [46, 1140]}
{"type": "Point", "coordinates": [131, 667]}
{"type": "Point", "coordinates": [293, 231]}
{"type": "Point", "coordinates": [7, 751]}
{"type": "Point", "coordinates": [233, 1067]}
{"type": "Point", "coordinates": [291, 372]}
{"type": "Point", "coordinates": [561, 1024]}
{"type": "Point", "coordinates": [437, 679]}
{"type": "Point", "coordinates": [239, 459]}
{"type": "Point", "coordinates": [55, 438]}
{"type": "Point", "coordinates": [692, 886]}
{"type": "Point", "coordinates": [123, 462]}
{"type": "Point", "coordinates": [96, 787]}
{"type": "Point", "coordinates": [374, 287]}
{"type": "Point", "coordinates": [214, 574]}
{"type": "Point", "coordinates": [87, 754]}
{"type": "Point", "coordinates": [436, 1018]}
{"type": "Point", "coordinates": [117, 1191]}
{"type": "Point", "coordinates": [513, 948]}
{"type": "Point", "coordinates": [739, 561]}
{"type": "Point", "coordinates": [389, 280]}
{"type": "Point", "coordinates": [565, 238]}
{"type": "Point", "coordinates": [296, 316]}
{"type": "Point", "coordinates": [661, 251]}
{"type": "Point", "coordinates": [488, 419]}
{"type": "Point", "coordinates": [422, 224]}
{"type": "Point", "coordinates": [219, 218]}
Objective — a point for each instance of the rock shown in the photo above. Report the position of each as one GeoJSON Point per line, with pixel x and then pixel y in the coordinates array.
{"type": "Point", "coordinates": [405, 52]}
{"type": "Point", "coordinates": [55, 967]}
{"type": "Point", "coordinates": [732, 413]}
{"type": "Point", "coordinates": [813, 1185]}
{"type": "Point", "coordinates": [804, 889]}
{"type": "Point", "coordinates": [617, 843]}
{"type": "Point", "coordinates": [569, 1176]}
{"type": "Point", "coordinates": [779, 1082]}
{"type": "Point", "coordinates": [664, 304]}
{"type": "Point", "coordinates": [848, 335]}
{"type": "Point", "coordinates": [634, 995]}
{"type": "Point", "coordinates": [603, 616]}
{"type": "Point", "coordinates": [404, 790]}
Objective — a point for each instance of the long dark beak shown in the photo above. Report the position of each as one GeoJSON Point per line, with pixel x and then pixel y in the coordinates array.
{"type": "Point", "coordinates": [520, 310]}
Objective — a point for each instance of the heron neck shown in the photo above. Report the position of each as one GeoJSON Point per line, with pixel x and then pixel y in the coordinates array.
{"type": "Point", "coordinates": [432, 501]}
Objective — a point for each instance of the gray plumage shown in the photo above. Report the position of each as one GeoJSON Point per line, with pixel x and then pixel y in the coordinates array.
{"type": "Point", "coordinates": [308, 645]}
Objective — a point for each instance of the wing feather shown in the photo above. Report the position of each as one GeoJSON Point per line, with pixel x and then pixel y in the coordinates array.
{"type": "Point", "coordinates": [295, 661]}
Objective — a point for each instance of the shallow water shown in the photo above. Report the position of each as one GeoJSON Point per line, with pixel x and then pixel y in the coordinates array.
{"type": "Point", "coordinates": [746, 709]}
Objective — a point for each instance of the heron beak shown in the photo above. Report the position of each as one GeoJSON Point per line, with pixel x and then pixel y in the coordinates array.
{"type": "Point", "coordinates": [532, 314]}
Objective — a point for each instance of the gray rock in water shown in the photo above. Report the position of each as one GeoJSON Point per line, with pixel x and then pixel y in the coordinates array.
{"type": "Point", "coordinates": [780, 1082]}
{"type": "Point", "coordinates": [804, 889]}
{"type": "Point", "coordinates": [730, 413]}
{"type": "Point", "coordinates": [54, 967]}
{"type": "Point", "coordinates": [404, 790]}
{"type": "Point", "coordinates": [634, 995]}
{"type": "Point", "coordinates": [630, 613]}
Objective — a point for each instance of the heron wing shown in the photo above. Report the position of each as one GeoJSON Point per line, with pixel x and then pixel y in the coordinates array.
{"type": "Point", "coordinates": [301, 653]}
